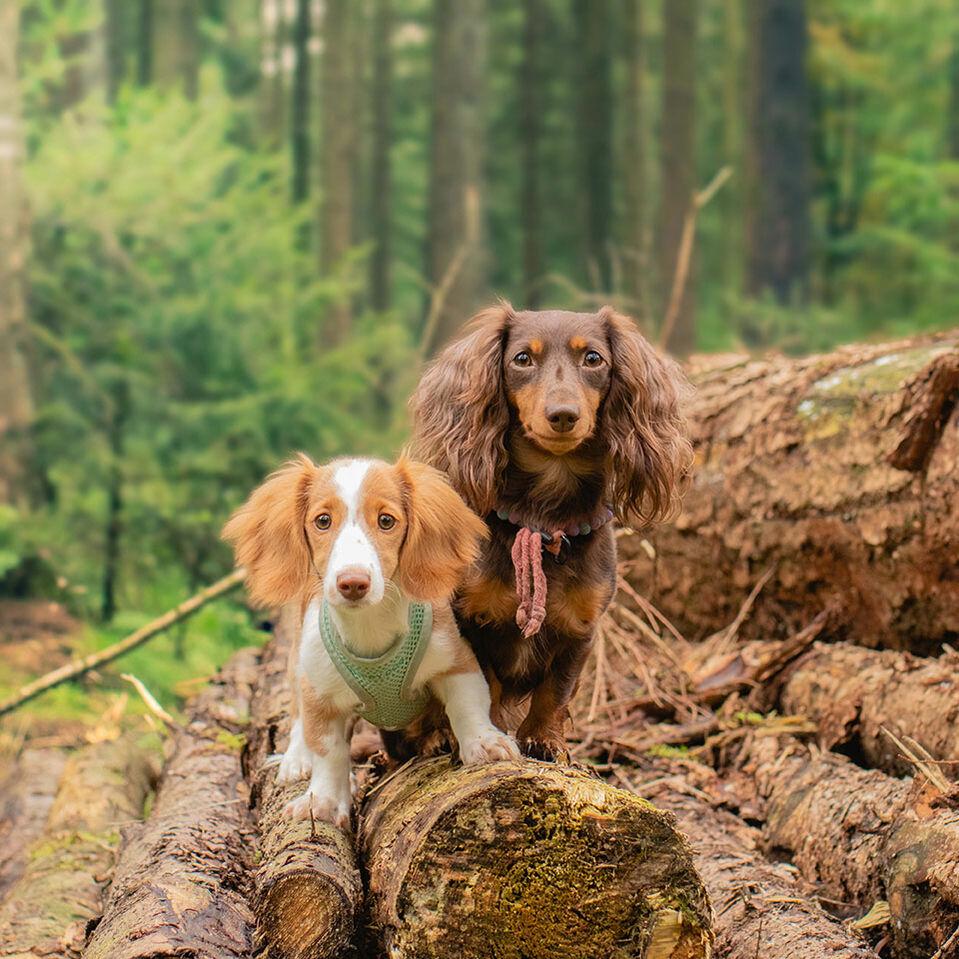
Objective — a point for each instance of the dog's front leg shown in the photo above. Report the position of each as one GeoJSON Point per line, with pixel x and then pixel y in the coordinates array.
{"type": "Point", "coordinates": [327, 796]}
{"type": "Point", "coordinates": [465, 696]}
{"type": "Point", "coordinates": [542, 734]}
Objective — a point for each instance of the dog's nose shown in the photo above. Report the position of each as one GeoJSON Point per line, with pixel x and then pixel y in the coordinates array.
{"type": "Point", "coordinates": [353, 585]}
{"type": "Point", "coordinates": [562, 418]}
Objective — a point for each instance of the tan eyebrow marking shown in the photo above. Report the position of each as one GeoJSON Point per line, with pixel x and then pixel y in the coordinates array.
{"type": "Point", "coordinates": [578, 343]}
{"type": "Point", "coordinates": [536, 346]}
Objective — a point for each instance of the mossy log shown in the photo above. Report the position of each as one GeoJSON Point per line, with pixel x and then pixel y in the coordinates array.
{"type": "Point", "coordinates": [47, 910]}
{"type": "Point", "coordinates": [863, 836]}
{"type": "Point", "coordinates": [307, 887]}
{"type": "Point", "coordinates": [522, 860]}
{"type": "Point", "coordinates": [182, 880]}
{"type": "Point", "coordinates": [838, 471]}
{"type": "Point", "coordinates": [855, 694]}
{"type": "Point", "coordinates": [761, 909]}
{"type": "Point", "coordinates": [26, 795]}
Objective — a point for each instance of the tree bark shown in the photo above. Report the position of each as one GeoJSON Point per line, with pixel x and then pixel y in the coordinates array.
{"type": "Point", "coordinates": [454, 255]}
{"type": "Point", "coordinates": [307, 890]}
{"type": "Point", "coordinates": [862, 836]}
{"type": "Point", "coordinates": [777, 222]}
{"type": "Point", "coordinates": [381, 198]}
{"type": "Point", "coordinates": [26, 795]}
{"type": "Point", "coordinates": [678, 160]}
{"type": "Point", "coordinates": [530, 132]}
{"type": "Point", "coordinates": [175, 45]}
{"type": "Point", "coordinates": [761, 910]}
{"type": "Point", "coordinates": [300, 105]}
{"type": "Point", "coordinates": [182, 879]}
{"type": "Point", "coordinates": [338, 159]}
{"type": "Point", "coordinates": [854, 695]}
{"type": "Point", "coordinates": [48, 908]}
{"type": "Point", "coordinates": [793, 471]}
{"type": "Point", "coordinates": [526, 859]}
{"type": "Point", "coordinates": [594, 122]}
{"type": "Point", "coordinates": [16, 401]}
{"type": "Point", "coordinates": [635, 135]}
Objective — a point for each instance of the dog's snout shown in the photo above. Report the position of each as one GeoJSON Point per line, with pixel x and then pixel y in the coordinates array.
{"type": "Point", "coordinates": [562, 418]}
{"type": "Point", "coordinates": [353, 585]}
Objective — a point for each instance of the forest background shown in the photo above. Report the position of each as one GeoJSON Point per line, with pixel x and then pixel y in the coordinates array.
{"type": "Point", "coordinates": [232, 229]}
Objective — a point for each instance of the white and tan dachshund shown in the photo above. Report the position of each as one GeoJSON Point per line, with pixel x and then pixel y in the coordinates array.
{"type": "Point", "coordinates": [372, 553]}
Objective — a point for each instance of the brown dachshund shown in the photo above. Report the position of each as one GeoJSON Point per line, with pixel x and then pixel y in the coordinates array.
{"type": "Point", "coordinates": [550, 425]}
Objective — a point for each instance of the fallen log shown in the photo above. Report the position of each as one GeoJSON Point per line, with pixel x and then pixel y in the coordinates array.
{"type": "Point", "coordinates": [863, 836]}
{"type": "Point", "coordinates": [526, 859]}
{"type": "Point", "coordinates": [80, 667]}
{"type": "Point", "coordinates": [26, 795]}
{"type": "Point", "coordinates": [856, 696]}
{"type": "Point", "coordinates": [761, 908]}
{"type": "Point", "coordinates": [102, 788]}
{"type": "Point", "coordinates": [308, 890]}
{"type": "Point", "coordinates": [181, 883]}
{"type": "Point", "coordinates": [794, 471]}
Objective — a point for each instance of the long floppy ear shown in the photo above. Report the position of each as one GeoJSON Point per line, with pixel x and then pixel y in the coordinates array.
{"type": "Point", "coordinates": [267, 534]}
{"type": "Point", "coordinates": [443, 534]}
{"type": "Point", "coordinates": [460, 411]}
{"type": "Point", "coordinates": [644, 424]}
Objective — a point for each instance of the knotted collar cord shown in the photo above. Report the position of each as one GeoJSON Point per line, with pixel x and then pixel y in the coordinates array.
{"type": "Point", "coordinates": [527, 556]}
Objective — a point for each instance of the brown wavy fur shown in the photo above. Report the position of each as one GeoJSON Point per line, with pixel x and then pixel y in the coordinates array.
{"type": "Point", "coordinates": [462, 418]}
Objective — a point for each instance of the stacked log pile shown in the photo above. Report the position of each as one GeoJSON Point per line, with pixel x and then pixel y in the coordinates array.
{"type": "Point", "coordinates": [765, 741]}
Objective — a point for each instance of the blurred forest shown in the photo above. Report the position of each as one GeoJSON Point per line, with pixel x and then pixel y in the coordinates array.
{"type": "Point", "coordinates": [230, 230]}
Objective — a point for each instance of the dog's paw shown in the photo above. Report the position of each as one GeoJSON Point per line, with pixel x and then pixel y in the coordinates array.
{"type": "Point", "coordinates": [548, 750]}
{"type": "Point", "coordinates": [321, 808]}
{"type": "Point", "coordinates": [295, 764]}
{"type": "Point", "coordinates": [488, 747]}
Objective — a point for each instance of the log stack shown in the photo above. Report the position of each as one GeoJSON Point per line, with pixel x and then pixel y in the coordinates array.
{"type": "Point", "coordinates": [801, 803]}
{"type": "Point", "coordinates": [836, 471]}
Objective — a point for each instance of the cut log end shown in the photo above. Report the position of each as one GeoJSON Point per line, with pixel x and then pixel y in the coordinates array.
{"type": "Point", "coordinates": [527, 859]}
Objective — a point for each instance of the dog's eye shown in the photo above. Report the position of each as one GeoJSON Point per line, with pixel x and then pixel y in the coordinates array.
{"type": "Point", "coordinates": [523, 359]}
{"type": "Point", "coordinates": [592, 358]}
{"type": "Point", "coordinates": [385, 521]}
{"type": "Point", "coordinates": [323, 521]}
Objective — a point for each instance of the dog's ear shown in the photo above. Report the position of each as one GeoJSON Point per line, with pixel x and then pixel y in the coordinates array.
{"type": "Point", "coordinates": [644, 425]}
{"type": "Point", "coordinates": [443, 534]}
{"type": "Point", "coordinates": [460, 410]}
{"type": "Point", "coordinates": [268, 535]}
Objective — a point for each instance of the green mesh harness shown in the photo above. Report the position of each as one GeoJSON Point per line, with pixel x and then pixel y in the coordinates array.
{"type": "Point", "coordinates": [383, 682]}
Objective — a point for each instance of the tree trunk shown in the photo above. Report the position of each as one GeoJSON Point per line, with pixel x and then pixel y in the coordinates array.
{"type": "Point", "coordinates": [455, 257]}
{"type": "Point", "coordinates": [308, 888]}
{"type": "Point", "coordinates": [300, 106]}
{"type": "Point", "coordinates": [530, 131]}
{"type": "Point", "coordinates": [272, 86]}
{"type": "Point", "coordinates": [635, 135]}
{"type": "Point", "coordinates": [794, 471]}
{"type": "Point", "coordinates": [761, 910]}
{"type": "Point", "coordinates": [526, 859]}
{"type": "Point", "coordinates": [116, 429]}
{"type": "Point", "coordinates": [16, 402]}
{"type": "Point", "coordinates": [777, 223]}
{"type": "Point", "coordinates": [49, 907]}
{"type": "Point", "coordinates": [26, 795]}
{"type": "Point", "coordinates": [952, 123]}
{"type": "Point", "coordinates": [116, 13]}
{"type": "Point", "coordinates": [594, 122]}
{"type": "Point", "coordinates": [182, 879]}
{"type": "Point", "coordinates": [339, 127]}
{"type": "Point", "coordinates": [854, 695]}
{"type": "Point", "coordinates": [175, 45]}
{"type": "Point", "coordinates": [862, 836]}
{"type": "Point", "coordinates": [381, 198]}
{"type": "Point", "coordinates": [678, 160]}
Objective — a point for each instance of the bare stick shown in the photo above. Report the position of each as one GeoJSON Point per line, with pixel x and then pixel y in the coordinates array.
{"type": "Point", "coordinates": [80, 666]}
{"type": "Point", "coordinates": [685, 255]}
